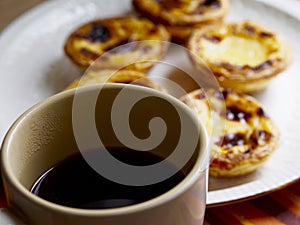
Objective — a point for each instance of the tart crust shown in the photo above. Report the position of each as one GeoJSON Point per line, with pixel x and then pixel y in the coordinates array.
{"type": "Point", "coordinates": [247, 137]}
{"type": "Point", "coordinates": [243, 55]}
{"type": "Point", "coordinates": [95, 76]}
{"type": "Point", "coordinates": [125, 42]}
{"type": "Point", "coordinates": [181, 34]}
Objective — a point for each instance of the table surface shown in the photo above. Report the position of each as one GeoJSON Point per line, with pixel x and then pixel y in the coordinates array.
{"type": "Point", "coordinates": [278, 208]}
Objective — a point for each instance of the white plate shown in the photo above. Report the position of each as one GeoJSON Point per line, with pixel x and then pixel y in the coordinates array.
{"type": "Point", "coordinates": [33, 66]}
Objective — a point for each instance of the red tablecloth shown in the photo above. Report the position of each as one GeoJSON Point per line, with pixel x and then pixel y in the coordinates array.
{"type": "Point", "coordinates": [278, 208]}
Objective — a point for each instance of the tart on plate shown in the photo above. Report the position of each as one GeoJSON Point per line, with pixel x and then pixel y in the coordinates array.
{"type": "Point", "coordinates": [182, 12]}
{"type": "Point", "coordinates": [95, 76]}
{"type": "Point", "coordinates": [118, 43]}
{"type": "Point", "coordinates": [242, 55]}
{"type": "Point", "coordinates": [246, 135]}
{"type": "Point", "coordinates": [181, 17]}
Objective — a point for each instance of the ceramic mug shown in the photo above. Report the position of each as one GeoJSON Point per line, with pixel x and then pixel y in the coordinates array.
{"type": "Point", "coordinates": [74, 120]}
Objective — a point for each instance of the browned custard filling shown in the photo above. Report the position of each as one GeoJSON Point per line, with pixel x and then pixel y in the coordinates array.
{"type": "Point", "coordinates": [234, 139]}
{"type": "Point", "coordinates": [123, 40]}
{"type": "Point", "coordinates": [97, 33]}
{"type": "Point", "coordinates": [238, 114]}
{"type": "Point", "coordinates": [243, 138]}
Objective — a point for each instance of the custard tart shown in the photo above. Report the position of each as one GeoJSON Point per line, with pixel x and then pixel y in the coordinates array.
{"type": "Point", "coordinates": [118, 43]}
{"type": "Point", "coordinates": [182, 12]}
{"type": "Point", "coordinates": [248, 136]}
{"type": "Point", "coordinates": [95, 76]}
{"type": "Point", "coordinates": [181, 17]}
{"type": "Point", "coordinates": [245, 55]}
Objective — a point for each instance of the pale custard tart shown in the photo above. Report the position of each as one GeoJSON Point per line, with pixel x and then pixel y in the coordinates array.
{"type": "Point", "coordinates": [118, 43]}
{"type": "Point", "coordinates": [95, 76]}
{"type": "Point", "coordinates": [247, 136]}
{"type": "Point", "coordinates": [244, 55]}
{"type": "Point", "coordinates": [182, 12]}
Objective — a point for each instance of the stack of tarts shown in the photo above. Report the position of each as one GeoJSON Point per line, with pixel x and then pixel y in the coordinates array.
{"type": "Point", "coordinates": [244, 57]}
{"type": "Point", "coordinates": [181, 17]}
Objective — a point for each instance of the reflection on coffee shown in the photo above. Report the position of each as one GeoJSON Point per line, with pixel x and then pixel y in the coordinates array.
{"type": "Point", "coordinates": [74, 183]}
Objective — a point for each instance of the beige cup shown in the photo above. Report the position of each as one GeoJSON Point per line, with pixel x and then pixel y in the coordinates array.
{"type": "Point", "coordinates": [76, 120]}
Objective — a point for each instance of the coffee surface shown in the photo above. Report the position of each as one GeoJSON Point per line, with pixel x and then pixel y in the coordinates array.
{"type": "Point", "coordinates": [74, 183]}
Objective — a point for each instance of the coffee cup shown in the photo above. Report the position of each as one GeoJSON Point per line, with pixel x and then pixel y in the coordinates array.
{"type": "Point", "coordinates": [101, 117]}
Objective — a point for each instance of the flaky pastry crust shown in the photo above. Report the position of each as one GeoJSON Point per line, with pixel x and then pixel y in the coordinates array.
{"type": "Point", "coordinates": [95, 76]}
{"type": "Point", "coordinates": [181, 34]}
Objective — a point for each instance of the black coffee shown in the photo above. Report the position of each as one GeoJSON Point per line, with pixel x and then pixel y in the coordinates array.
{"type": "Point", "coordinates": [74, 183]}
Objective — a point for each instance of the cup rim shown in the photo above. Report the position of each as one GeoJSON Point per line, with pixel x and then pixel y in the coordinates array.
{"type": "Point", "coordinates": [198, 168]}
